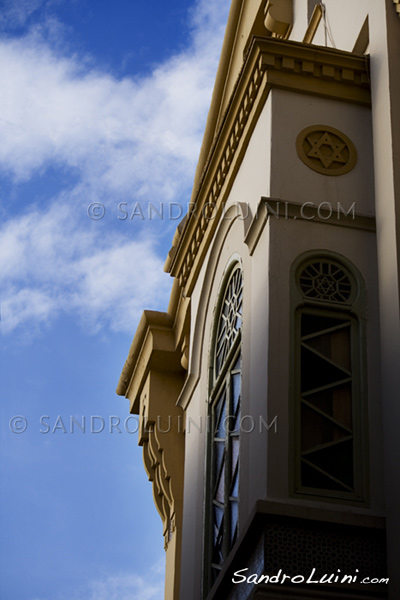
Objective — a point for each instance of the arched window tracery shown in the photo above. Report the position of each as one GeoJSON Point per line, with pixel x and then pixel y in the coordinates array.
{"type": "Point", "coordinates": [225, 401]}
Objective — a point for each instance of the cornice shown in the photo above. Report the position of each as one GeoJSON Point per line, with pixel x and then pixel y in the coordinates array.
{"type": "Point", "coordinates": [153, 347]}
{"type": "Point", "coordinates": [270, 63]}
{"type": "Point", "coordinates": [148, 317]}
{"type": "Point", "coordinates": [276, 209]}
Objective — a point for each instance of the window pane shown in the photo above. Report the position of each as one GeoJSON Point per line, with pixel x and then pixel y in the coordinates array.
{"type": "Point", "coordinates": [218, 518]}
{"type": "Point", "coordinates": [316, 372]}
{"type": "Point", "coordinates": [234, 522]}
{"type": "Point", "coordinates": [335, 345]}
{"type": "Point", "coordinates": [234, 492]}
{"type": "Point", "coordinates": [220, 414]}
{"type": "Point", "coordinates": [325, 420]}
{"type": "Point", "coordinates": [235, 454]}
{"type": "Point", "coordinates": [230, 319]}
{"type": "Point", "coordinates": [334, 402]}
{"type": "Point", "coordinates": [220, 486]}
{"type": "Point", "coordinates": [317, 429]}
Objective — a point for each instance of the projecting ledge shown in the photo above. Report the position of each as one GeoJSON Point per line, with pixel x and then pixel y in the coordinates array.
{"type": "Point", "coordinates": [283, 210]}
{"type": "Point", "coordinates": [153, 348]}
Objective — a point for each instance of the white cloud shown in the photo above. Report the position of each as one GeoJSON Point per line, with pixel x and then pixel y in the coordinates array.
{"type": "Point", "coordinates": [117, 283]}
{"type": "Point", "coordinates": [29, 304]}
{"type": "Point", "coordinates": [131, 139]}
{"type": "Point", "coordinates": [149, 586]}
{"type": "Point", "coordinates": [105, 279]}
{"type": "Point", "coordinates": [118, 133]}
{"type": "Point", "coordinates": [15, 14]}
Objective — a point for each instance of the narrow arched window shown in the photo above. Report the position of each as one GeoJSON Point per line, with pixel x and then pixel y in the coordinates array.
{"type": "Point", "coordinates": [329, 380]}
{"type": "Point", "coordinates": [224, 439]}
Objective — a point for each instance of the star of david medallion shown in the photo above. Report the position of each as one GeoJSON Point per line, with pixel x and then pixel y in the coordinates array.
{"type": "Point", "coordinates": [326, 150]}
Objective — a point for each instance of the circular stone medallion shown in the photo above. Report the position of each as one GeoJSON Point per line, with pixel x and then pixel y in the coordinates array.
{"type": "Point", "coordinates": [326, 150]}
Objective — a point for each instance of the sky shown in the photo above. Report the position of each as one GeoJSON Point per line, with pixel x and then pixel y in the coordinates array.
{"type": "Point", "coordinates": [102, 111]}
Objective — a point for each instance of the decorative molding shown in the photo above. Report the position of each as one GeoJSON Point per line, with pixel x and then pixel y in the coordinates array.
{"type": "Point", "coordinates": [152, 380]}
{"type": "Point", "coordinates": [273, 208]}
{"type": "Point", "coordinates": [397, 3]}
{"type": "Point", "coordinates": [161, 436]}
{"type": "Point", "coordinates": [161, 341]}
{"type": "Point", "coordinates": [149, 319]}
{"type": "Point", "coordinates": [153, 347]}
{"type": "Point", "coordinates": [326, 150]}
{"type": "Point", "coordinates": [325, 280]}
{"type": "Point", "coordinates": [270, 63]}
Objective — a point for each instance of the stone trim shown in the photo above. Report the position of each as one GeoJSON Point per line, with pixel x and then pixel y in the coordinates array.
{"type": "Point", "coordinates": [152, 379]}
{"type": "Point", "coordinates": [162, 437]}
{"type": "Point", "coordinates": [161, 341]}
{"type": "Point", "coordinates": [281, 209]}
{"type": "Point", "coordinates": [153, 347]}
{"type": "Point", "coordinates": [270, 63]}
{"type": "Point", "coordinates": [149, 319]}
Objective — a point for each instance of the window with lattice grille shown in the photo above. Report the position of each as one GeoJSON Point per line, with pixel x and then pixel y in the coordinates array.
{"type": "Point", "coordinates": [328, 386]}
{"type": "Point", "coordinates": [225, 398]}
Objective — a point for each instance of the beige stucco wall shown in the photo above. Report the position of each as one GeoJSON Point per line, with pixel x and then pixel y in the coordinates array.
{"type": "Point", "coordinates": [271, 167]}
{"type": "Point", "coordinates": [292, 180]}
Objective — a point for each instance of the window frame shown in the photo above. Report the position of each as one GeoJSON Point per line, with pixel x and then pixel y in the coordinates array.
{"type": "Point", "coordinates": [353, 310]}
{"type": "Point", "coordinates": [217, 387]}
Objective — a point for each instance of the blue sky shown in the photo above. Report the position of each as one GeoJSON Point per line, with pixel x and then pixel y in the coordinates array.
{"type": "Point", "coordinates": [101, 104]}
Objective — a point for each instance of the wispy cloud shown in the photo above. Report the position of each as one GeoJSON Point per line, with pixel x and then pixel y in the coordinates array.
{"type": "Point", "coordinates": [118, 133]}
{"type": "Point", "coordinates": [50, 266]}
{"type": "Point", "coordinates": [15, 14]}
{"type": "Point", "coordinates": [132, 139]}
{"type": "Point", "coordinates": [149, 586]}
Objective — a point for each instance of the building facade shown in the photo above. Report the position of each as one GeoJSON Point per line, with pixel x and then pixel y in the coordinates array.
{"type": "Point", "coordinates": [268, 391]}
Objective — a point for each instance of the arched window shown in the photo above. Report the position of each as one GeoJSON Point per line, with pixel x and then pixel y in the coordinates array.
{"type": "Point", "coordinates": [329, 391]}
{"type": "Point", "coordinates": [223, 451]}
